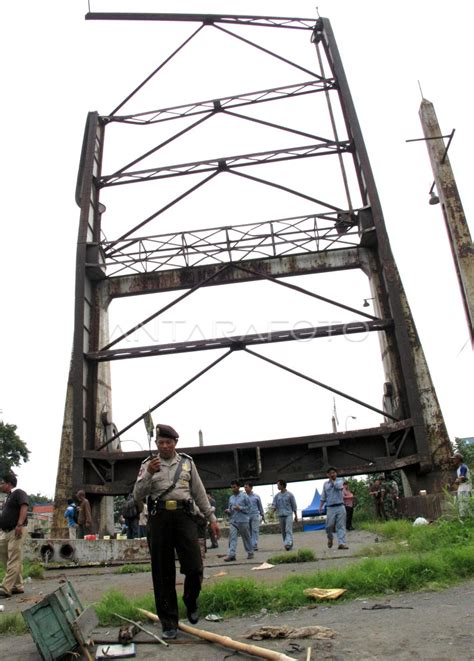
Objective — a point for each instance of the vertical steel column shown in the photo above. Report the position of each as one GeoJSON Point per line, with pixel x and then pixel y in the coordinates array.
{"type": "Point", "coordinates": [458, 230]}
{"type": "Point", "coordinates": [79, 415]}
{"type": "Point", "coordinates": [419, 399]}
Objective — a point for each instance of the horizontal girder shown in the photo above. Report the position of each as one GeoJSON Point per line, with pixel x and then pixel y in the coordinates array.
{"type": "Point", "coordinates": [208, 19]}
{"type": "Point", "coordinates": [276, 267]}
{"type": "Point", "coordinates": [357, 452]}
{"type": "Point", "coordinates": [239, 341]}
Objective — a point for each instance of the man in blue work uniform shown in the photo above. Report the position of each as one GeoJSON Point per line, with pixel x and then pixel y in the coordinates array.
{"type": "Point", "coordinates": [172, 484]}
{"type": "Point", "coordinates": [239, 522]}
{"type": "Point", "coordinates": [463, 483]}
{"type": "Point", "coordinates": [284, 504]}
{"type": "Point", "coordinates": [332, 497]}
{"type": "Point", "coordinates": [256, 514]}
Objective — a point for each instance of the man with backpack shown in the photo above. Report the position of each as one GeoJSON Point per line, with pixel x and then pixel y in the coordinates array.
{"type": "Point", "coordinates": [131, 514]}
{"type": "Point", "coordinates": [71, 514]}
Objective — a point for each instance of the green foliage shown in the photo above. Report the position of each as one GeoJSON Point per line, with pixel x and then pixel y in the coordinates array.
{"type": "Point", "coordinates": [12, 449]}
{"type": "Point", "coordinates": [133, 569]}
{"type": "Point", "coordinates": [39, 499]}
{"type": "Point", "coordinates": [30, 569]}
{"type": "Point", "coordinates": [12, 624]}
{"type": "Point", "coordinates": [364, 508]}
{"type": "Point", "coordinates": [234, 597]}
{"type": "Point", "coordinates": [302, 555]}
{"type": "Point", "coordinates": [466, 450]}
{"type": "Point", "coordinates": [221, 496]}
{"type": "Point", "coordinates": [270, 514]}
{"type": "Point", "coordinates": [118, 502]}
{"type": "Point", "coordinates": [116, 602]}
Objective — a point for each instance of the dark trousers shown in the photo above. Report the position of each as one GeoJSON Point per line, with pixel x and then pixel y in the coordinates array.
{"type": "Point", "coordinates": [83, 530]}
{"type": "Point", "coordinates": [380, 510]}
{"type": "Point", "coordinates": [170, 530]}
{"type": "Point", "coordinates": [132, 528]}
{"type": "Point", "coordinates": [349, 514]}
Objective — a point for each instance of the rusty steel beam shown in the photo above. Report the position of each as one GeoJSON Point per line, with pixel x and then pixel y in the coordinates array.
{"type": "Point", "coordinates": [356, 452]}
{"type": "Point", "coordinates": [207, 19]}
{"type": "Point", "coordinates": [277, 267]}
{"type": "Point", "coordinates": [239, 341]}
{"type": "Point", "coordinates": [418, 396]}
{"type": "Point", "coordinates": [459, 236]}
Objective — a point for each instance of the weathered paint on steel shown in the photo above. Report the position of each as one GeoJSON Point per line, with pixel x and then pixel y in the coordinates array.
{"type": "Point", "coordinates": [459, 235]}
{"type": "Point", "coordinates": [173, 279]}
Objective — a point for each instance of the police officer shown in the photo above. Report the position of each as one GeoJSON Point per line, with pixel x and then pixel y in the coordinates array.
{"type": "Point", "coordinates": [172, 483]}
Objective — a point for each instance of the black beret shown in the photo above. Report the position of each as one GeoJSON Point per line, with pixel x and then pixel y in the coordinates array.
{"type": "Point", "coordinates": [166, 431]}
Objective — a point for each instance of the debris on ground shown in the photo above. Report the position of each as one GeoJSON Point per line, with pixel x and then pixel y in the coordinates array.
{"type": "Point", "coordinates": [225, 641]}
{"type": "Point", "coordinates": [264, 565]}
{"type": "Point", "coordinates": [115, 651]}
{"type": "Point", "coordinates": [314, 632]}
{"type": "Point", "coordinates": [139, 627]}
{"type": "Point", "coordinates": [127, 633]}
{"type": "Point", "coordinates": [212, 617]}
{"type": "Point", "coordinates": [321, 593]}
{"type": "Point", "coordinates": [378, 607]}
{"type": "Point", "coordinates": [219, 574]}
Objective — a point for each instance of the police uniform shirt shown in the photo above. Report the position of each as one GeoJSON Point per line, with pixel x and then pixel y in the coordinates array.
{"type": "Point", "coordinates": [189, 484]}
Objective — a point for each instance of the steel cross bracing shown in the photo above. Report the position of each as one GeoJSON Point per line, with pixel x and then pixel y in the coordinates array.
{"type": "Point", "coordinates": [340, 229]}
{"type": "Point", "coordinates": [271, 238]}
{"type": "Point", "coordinates": [223, 104]}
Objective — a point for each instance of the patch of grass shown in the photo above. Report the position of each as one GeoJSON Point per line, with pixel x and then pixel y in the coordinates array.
{"type": "Point", "coordinates": [440, 534]}
{"type": "Point", "coordinates": [12, 624]}
{"type": "Point", "coordinates": [133, 569]}
{"type": "Point", "coordinates": [116, 602]}
{"type": "Point", "coordinates": [302, 555]}
{"type": "Point", "coordinates": [33, 569]}
{"type": "Point", "coordinates": [427, 557]}
{"type": "Point", "coordinates": [409, 572]}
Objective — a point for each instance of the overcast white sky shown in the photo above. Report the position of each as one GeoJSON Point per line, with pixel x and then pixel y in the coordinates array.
{"type": "Point", "coordinates": [57, 67]}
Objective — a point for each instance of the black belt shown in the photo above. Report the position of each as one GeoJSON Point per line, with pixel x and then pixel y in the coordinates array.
{"type": "Point", "coordinates": [337, 505]}
{"type": "Point", "coordinates": [170, 505]}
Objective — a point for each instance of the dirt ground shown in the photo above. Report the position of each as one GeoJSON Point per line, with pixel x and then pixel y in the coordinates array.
{"type": "Point", "coordinates": [424, 625]}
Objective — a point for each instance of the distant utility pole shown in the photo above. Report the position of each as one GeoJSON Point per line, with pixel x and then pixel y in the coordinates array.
{"type": "Point", "coordinates": [458, 230]}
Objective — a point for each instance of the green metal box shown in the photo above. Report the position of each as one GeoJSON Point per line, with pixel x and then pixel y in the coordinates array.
{"type": "Point", "coordinates": [53, 623]}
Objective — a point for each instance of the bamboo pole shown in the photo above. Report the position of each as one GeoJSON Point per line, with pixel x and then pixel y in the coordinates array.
{"type": "Point", "coordinates": [225, 641]}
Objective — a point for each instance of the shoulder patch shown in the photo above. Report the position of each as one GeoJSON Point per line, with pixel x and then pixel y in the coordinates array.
{"type": "Point", "coordinates": [143, 469]}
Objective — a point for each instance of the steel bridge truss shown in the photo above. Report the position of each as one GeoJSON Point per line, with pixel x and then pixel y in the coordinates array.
{"type": "Point", "coordinates": [343, 232]}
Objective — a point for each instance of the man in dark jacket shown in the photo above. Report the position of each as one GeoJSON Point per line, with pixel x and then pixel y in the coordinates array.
{"type": "Point", "coordinates": [13, 521]}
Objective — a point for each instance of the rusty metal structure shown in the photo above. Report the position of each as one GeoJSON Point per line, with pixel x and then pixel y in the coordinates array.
{"type": "Point", "coordinates": [457, 228]}
{"type": "Point", "coordinates": [338, 232]}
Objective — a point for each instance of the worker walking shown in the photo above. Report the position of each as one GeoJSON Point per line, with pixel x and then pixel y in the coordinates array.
{"type": "Point", "coordinates": [256, 514]}
{"type": "Point", "coordinates": [333, 498]}
{"type": "Point", "coordinates": [171, 482]}
{"type": "Point", "coordinates": [284, 504]}
{"type": "Point", "coordinates": [239, 522]}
